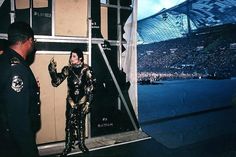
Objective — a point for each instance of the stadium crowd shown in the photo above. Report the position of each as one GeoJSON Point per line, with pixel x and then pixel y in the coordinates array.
{"type": "Point", "coordinates": [208, 54]}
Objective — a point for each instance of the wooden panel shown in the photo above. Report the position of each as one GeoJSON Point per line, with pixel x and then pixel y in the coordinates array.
{"type": "Point", "coordinates": [47, 132]}
{"type": "Point", "coordinates": [22, 4]}
{"type": "Point", "coordinates": [104, 22]}
{"type": "Point", "coordinates": [71, 18]}
{"type": "Point", "coordinates": [60, 99]}
{"type": "Point", "coordinates": [53, 100]}
{"type": "Point", "coordinates": [40, 3]}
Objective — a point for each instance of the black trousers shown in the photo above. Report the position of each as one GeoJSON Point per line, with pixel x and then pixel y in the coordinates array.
{"type": "Point", "coordinates": [75, 125]}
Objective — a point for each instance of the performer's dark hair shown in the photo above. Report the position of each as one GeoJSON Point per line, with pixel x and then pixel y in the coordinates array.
{"type": "Point", "coordinates": [79, 53]}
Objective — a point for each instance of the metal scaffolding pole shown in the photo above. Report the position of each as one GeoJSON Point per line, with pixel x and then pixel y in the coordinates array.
{"type": "Point", "coordinates": [117, 86]}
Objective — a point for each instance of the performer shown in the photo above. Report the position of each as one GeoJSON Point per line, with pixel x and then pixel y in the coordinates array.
{"type": "Point", "coordinates": [81, 83]}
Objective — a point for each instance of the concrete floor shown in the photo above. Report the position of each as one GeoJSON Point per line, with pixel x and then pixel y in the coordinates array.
{"type": "Point", "coordinates": [223, 146]}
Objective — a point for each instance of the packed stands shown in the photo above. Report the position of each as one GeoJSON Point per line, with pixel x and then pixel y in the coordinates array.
{"type": "Point", "coordinates": [207, 48]}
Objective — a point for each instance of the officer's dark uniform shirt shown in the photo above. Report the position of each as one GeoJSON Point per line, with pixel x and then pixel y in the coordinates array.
{"type": "Point", "coordinates": [19, 105]}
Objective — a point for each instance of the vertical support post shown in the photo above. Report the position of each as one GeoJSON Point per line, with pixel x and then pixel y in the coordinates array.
{"type": "Point", "coordinates": [53, 18]}
{"type": "Point", "coordinates": [89, 30]}
{"type": "Point", "coordinates": [90, 41]}
{"type": "Point", "coordinates": [119, 52]}
{"type": "Point", "coordinates": [31, 13]}
{"type": "Point", "coordinates": [119, 38]}
{"type": "Point", "coordinates": [12, 13]}
{"type": "Point", "coordinates": [119, 35]}
{"type": "Point", "coordinates": [89, 33]}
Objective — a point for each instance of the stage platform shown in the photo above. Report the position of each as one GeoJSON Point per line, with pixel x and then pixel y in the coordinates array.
{"type": "Point", "coordinates": [96, 143]}
{"type": "Point", "coordinates": [145, 146]}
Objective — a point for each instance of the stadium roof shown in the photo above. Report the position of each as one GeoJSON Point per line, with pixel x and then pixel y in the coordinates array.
{"type": "Point", "coordinates": [188, 16]}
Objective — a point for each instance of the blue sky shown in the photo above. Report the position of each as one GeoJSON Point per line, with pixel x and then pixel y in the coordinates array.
{"type": "Point", "coordinates": [149, 7]}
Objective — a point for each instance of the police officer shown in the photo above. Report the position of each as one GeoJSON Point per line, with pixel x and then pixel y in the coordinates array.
{"type": "Point", "coordinates": [19, 95]}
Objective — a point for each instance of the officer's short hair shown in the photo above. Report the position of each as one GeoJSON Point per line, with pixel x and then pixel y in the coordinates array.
{"type": "Point", "coordinates": [79, 53]}
{"type": "Point", "coordinates": [19, 31]}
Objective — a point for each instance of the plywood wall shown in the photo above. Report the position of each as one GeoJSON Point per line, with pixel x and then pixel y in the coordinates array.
{"type": "Point", "coordinates": [22, 4]}
{"type": "Point", "coordinates": [71, 18]}
{"type": "Point", "coordinates": [104, 22]}
{"type": "Point", "coordinates": [25, 4]}
{"type": "Point", "coordinates": [53, 100]}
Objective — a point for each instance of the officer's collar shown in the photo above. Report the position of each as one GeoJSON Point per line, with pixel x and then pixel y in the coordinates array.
{"type": "Point", "coordinates": [13, 54]}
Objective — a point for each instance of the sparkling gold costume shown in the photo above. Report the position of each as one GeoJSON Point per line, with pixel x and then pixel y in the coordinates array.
{"type": "Point", "coordinates": [81, 82]}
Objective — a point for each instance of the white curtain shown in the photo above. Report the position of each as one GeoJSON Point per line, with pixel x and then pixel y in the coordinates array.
{"type": "Point", "coordinates": [129, 56]}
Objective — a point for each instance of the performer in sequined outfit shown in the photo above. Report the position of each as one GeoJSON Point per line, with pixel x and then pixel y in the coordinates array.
{"type": "Point", "coordinates": [81, 83]}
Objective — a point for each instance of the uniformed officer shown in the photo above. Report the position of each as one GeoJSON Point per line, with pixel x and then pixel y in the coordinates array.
{"type": "Point", "coordinates": [19, 95]}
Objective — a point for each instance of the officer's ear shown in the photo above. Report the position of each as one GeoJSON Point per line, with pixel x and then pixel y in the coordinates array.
{"type": "Point", "coordinates": [25, 41]}
{"type": "Point", "coordinates": [31, 40]}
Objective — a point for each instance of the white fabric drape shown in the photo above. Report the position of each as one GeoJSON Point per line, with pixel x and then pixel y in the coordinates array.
{"type": "Point", "coordinates": [129, 56]}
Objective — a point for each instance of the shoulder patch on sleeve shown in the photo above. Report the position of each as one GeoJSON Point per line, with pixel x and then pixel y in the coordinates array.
{"type": "Point", "coordinates": [17, 84]}
{"type": "Point", "coordinates": [14, 61]}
